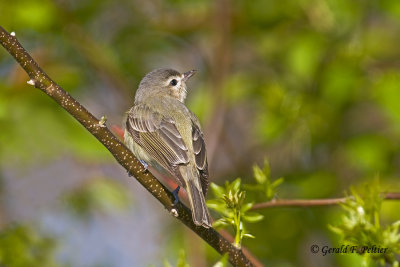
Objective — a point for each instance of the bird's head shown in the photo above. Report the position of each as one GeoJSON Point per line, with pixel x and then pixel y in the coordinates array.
{"type": "Point", "coordinates": [164, 82]}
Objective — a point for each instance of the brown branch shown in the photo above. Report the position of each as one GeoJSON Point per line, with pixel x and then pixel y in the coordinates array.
{"type": "Point", "coordinates": [392, 196]}
{"type": "Point", "coordinates": [311, 202]}
{"type": "Point", "coordinates": [121, 153]}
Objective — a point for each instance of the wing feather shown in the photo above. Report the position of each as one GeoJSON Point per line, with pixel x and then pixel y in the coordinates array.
{"type": "Point", "coordinates": [199, 148]}
{"type": "Point", "coordinates": [158, 136]}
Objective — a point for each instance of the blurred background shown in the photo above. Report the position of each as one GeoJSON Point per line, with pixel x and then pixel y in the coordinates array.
{"type": "Point", "coordinates": [311, 85]}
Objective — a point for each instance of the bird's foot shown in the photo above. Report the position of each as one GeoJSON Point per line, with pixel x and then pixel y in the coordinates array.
{"type": "Point", "coordinates": [175, 193]}
{"type": "Point", "coordinates": [145, 165]}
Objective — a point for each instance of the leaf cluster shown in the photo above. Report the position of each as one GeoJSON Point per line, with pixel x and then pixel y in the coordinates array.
{"type": "Point", "coordinates": [264, 185]}
{"type": "Point", "coordinates": [230, 203]}
{"type": "Point", "coordinates": [361, 226]}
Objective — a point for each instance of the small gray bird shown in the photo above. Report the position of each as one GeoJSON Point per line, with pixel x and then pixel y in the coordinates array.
{"type": "Point", "coordinates": [161, 131]}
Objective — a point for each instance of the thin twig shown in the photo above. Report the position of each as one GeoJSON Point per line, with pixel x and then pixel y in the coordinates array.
{"type": "Point", "coordinates": [311, 202]}
{"type": "Point", "coordinates": [392, 195]}
{"type": "Point", "coordinates": [40, 80]}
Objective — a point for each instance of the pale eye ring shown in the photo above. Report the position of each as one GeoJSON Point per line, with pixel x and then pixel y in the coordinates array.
{"type": "Point", "coordinates": [173, 82]}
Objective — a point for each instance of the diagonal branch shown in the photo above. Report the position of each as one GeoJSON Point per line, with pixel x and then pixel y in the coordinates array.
{"type": "Point", "coordinates": [121, 153]}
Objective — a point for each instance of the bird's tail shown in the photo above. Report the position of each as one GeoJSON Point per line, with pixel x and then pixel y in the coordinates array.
{"type": "Point", "coordinates": [196, 197]}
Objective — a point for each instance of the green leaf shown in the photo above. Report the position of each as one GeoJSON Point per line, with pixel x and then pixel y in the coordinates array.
{"type": "Point", "coordinates": [218, 191]}
{"type": "Point", "coordinates": [220, 223]}
{"type": "Point", "coordinates": [259, 175]}
{"type": "Point", "coordinates": [216, 204]}
{"type": "Point", "coordinates": [235, 185]}
{"type": "Point", "coordinates": [277, 182]}
{"type": "Point", "coordinates": [254, 187]}
{"type": "Point", "coordinates": [267, 169]}
{"type": "Point", "coordinates": [252, 217]}
{"type": "Point", "coordinates": [246, 207]}
{"type": "Point", "coordinates": [249, 235]}
{"type": "Point", "coordinates": [182, 259]}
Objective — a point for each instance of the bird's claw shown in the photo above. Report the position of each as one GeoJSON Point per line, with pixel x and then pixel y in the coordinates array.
{"type": "Point", "coordinates": [175, 194]}
{"type": "Point", "coordinates": [145, 165]}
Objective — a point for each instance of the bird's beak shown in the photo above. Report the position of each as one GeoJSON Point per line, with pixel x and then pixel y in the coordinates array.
{"type": "Point", "coordinates": [188, 74]}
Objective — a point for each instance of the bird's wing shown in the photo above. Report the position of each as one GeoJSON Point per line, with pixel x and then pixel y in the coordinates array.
{"type": "Point", "coordinates": [199, 149]}
{"type": "Point", "coordinates": [158, 136]}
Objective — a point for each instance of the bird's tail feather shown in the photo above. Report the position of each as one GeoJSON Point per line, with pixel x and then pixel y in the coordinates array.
{"type": "Point", "coordinates": [198, 203]}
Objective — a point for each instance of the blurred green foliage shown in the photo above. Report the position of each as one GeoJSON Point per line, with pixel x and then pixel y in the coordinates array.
{"type": "Point", "coordinates": [313, 85]}
{"type": "Point", "coordinates": [222, 262]}
{"type": "Point", "coordinates": [22, 246]}
{"type": "Point", "coordinates": [182, 262]}
{"type": "Point", "coordinates": [98, 194]}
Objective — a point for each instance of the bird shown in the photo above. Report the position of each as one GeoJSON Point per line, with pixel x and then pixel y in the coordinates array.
{"type": "Point", "coordinates": [163, 133]}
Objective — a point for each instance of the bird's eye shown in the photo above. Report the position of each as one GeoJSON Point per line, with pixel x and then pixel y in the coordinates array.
{"type": "Point", "coordinates": [173, 82]}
